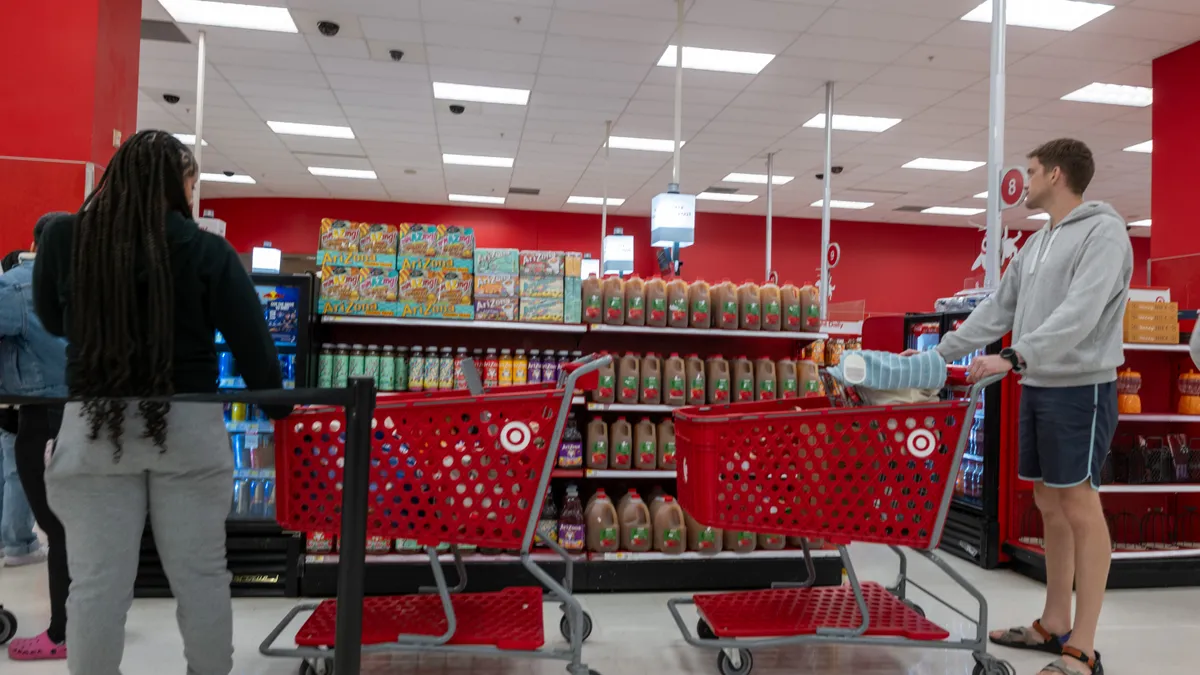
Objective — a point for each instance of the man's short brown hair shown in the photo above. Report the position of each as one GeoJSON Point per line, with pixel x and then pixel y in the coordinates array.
{"type": "Point", "coordinates": [1072, 157]}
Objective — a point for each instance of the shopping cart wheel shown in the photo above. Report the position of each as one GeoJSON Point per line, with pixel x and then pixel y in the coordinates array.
{"type": "Point", "coordinates": [8, 625]}
{"type": "Point", "coordinates": [704, 631]}
{"type": "Point", "coordinates": [914, 607]}
{"type": "Point", "coordinates": [725, 664]}
{"type": "Point", "coordinates": [987, 665]}
{"type": "Point", "coordinates": [564, 626]}
{"type": "Point", "coordinates": [316, 667]}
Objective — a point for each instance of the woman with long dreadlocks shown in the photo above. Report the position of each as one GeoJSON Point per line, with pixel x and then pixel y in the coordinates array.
{"type": "Point", "coordinates": [139, 291]}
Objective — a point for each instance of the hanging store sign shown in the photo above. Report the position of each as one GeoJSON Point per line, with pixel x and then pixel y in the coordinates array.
{"type": "Point", "coordinates": [1013, 186]}
{"type": "Point", "coordinates": [672, 220]}
{"type": "Point", "coordinates": [833, 255]}
{"type": "Point", "coordinates": [617, 255]}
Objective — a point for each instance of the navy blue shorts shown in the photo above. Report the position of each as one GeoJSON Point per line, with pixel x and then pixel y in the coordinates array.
{"type": "Point", "coordinates": [1065, 433]}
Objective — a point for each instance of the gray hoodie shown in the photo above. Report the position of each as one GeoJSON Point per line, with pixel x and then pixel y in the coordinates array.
{"type": "Point", "coordinates": [1063, 298]}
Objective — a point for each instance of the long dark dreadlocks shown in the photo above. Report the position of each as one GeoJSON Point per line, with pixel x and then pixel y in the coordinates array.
{"type": "Point", "coordinates": [123, 302]}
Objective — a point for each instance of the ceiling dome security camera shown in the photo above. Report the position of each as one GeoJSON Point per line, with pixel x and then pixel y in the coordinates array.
{"type": "Point", "coordinates": [171, 98]}
{"type": "Point", "coordinates": [396, 54]}
{"type": "Point", "coordinates": [328, 28]}
{"type": "Point", "coordinates": [228, 173]}
{"type": "Point", "coordinates": [457, 109]}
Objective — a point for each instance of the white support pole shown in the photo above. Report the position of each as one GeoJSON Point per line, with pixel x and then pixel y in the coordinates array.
{"type": "Point", "coordinates": [604, 199]}
{"type": "Point", "coordinates": [826, 191]}
{"type": "Point", "coordinates": [201, 67]}
{"type": "Point", "coordinates": [678, 92]}
{"type": "Point", "coordinates": [995, 227]}
{"type": "Point", "coordinates": [770, 208]}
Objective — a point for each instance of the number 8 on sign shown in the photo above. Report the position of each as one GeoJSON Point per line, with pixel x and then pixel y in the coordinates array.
{"type": "Point", "coordinates": [1012, 187]}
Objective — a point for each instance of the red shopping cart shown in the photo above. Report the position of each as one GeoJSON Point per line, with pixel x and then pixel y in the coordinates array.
{"type": "Point", "coordinates": [455, 468]}
{"type": "Point", "coordinates": [798, 468]}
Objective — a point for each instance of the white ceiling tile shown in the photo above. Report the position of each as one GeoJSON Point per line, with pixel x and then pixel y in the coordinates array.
{"type": "Point", "coordinates": [691, 94]}
{"type": "Point", "coordinates": [334, 65]}
{"type": "Point", "coordinates": [704, 79]}
{"type": "Point", "coordinates": [627, 8]}
{"type": "Point", "coordinates": [267, 92]}
{"type": "Point", "coordinates": [737, 39]}
{"type": "Point", "coordinates": [239, 75]}
{"type": "Point", "coordinates": [217, 37]}
{"type": "Point", "coordinates": [480, 59]}
{"type": "Point", "coordinates": [908, 76]}
{"type": "Point", "coordinates": [880, 25]}
{"type": "Point", "coordinates": [937, 9]}
{"type": "Point", "coordinates": [394, 9]}
{"type": "Point", "coordinates": [820, 70]}
{"type": "Point", "coordinates": [1118, 48]}
{"type": "Point", "coordinates": [411, 99]}
{"type": "Point", "coordinates": [593, 70]}
{"type": "Point", "coordinates": [483, 13]}
{"type": "Point", "coordinates": [1091, 70]}
{"type": "Point", "coordinates": [1180, 6]}
{"type": "Point", "coordinates": [814, 46]}
{"type": "Point", "coordinates": [333, 161]}
{"type": "Point", "coordinates": [483, 78]}
{"type": "Point", "coordinates": [605, 26]}
{"type": "Point", "coordinates": [603, 49]}
{"type": "Point", "coordinates": [331, 147]}
{"type": "Point", "coordinates": [753, 14]}
{"type": "Point", "coordinates": [575, 85]}
{"type": "Point", "coordinates": [481, 37]}
{"type": "Point", "coordinates": [1136, 76]}
{"type": "Point", "coordinates": [878, 93]}
{"type": "Point", "coordinates": [974, 35]}
{"type": "Point", "coordinates": [552, 100]}
{"type": "Point", "coordinates": [1132, 22]}
{"type": "Point", "coordinates": [400, 31]}
{"type": "Point", "coordinates": [355, 48]}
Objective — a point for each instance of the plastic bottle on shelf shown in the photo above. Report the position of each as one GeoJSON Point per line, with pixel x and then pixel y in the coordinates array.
{"type": "Point", "coordinates": [743, 379]}
{"type": "Point", "coordinates": [446, 369]}
{"type": "Point", "coordinates": [645, 440]}
{"type": "Point", "coordinates": [613, 289]}
{"type": "Point", "coordinates": [371, 364]}
{"type": "Point", "coordinates": [460, 377]}
{"type": "Point", "coordinates": [570, 448]}
{"type": "Point", "coordinates": [749, 306]}
{"type": "Point", "coordinates": [506, 368]}
{"type": "Point", "coordinates": [719, 389]}
{"type": "Point", "coordinates": [358, 361]}
{"type": "Point", "coordinates": [740, 542]}
{"type": "Point", "coordinates": [700, 304]}
{"type": "Point", "coordinates": [787, 382]}
{"type": "Point", "coordinates": [771, 542]}
{"type": "Point", "coordinates": [791, 307]}
{"type": "Point", "coordinates": [677, 303]}
{"type": "Point", "coordinates": [810, 309]}
{"type": "Point", "coordinates": [665, 435]}
{"type": "Point", "coordinates": [725, 305]}
{"type": "Point", "coordinates": [547, 527]}
{"type": "Point", "coordinates": [597, 444]}
{"type": "Point", "coordinates": [764, 380]}
{"type": "Point", "coordinates": [571, 525]}
{"type": "Point", "coordinates": [674, 380]}
{"type": "Point", "coordinates": [701, 538]}
{"type": "Point", "coordinates": [629, 378]}
{"type": "Point", "coordinates": [810, 378]}
{"type": "Point", "coordinates": [636, 529]}
{"type": "Point", "coordinates": [564, 358]}
{"type": "Point", "coordinates": [695, 389]}
{"type": "Point", "coordinates": [603, 528]}
{"type": "Point", "coordinates": [402, 369]}
{"type": "Point", "coordinates": [387, 369]}
{"type": "Point", "coordinates": [635, 301]}
{"type": "Point", "coordinates": [670, 527]}
{"type": "Point", "coordinates": [520, 367]}
{"type": "Point", "coordinates": [606, 383]}
{"type": "Point", "coordinates": [341, 365]}
{"type": "Point", "coordinates": [433, 367]}
{"type": "Point", "coordinates": [620, 445]}
{"type": "Point", "coordinates": [416, 370]}
{"type": "Point", "coordinates": [772, 308]}
{"type": "Point", "coordinates": [491, 368]}
{"type": "Point", "coordinates": [593, 300]}
{"type": "Point", "coordinates": [656, 302]}
{"type": "Point", "coordinates": [325, 366]}
{"type": "Point", "coordinates": [534, 367]}
{"type": "Point", "coordinates": [651, 372]}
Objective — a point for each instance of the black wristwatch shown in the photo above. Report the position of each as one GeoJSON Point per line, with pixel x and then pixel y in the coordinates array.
{"type": "Point", "coordinates": [1012, 357]}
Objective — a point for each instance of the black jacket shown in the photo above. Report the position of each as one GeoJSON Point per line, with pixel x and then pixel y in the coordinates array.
{"type": "Point", "coordinates": [213, 293]}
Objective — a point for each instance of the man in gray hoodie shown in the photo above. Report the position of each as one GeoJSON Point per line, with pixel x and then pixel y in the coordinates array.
{"type": "Point", "coordinates": [1063, 298]}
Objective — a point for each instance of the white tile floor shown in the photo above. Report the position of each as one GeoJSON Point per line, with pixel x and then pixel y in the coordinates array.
{"type": "Point", "coordinates": [1142, 633]}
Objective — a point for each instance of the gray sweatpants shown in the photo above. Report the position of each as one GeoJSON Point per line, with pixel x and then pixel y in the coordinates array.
{"type": "Point", "coordinates": [103, 506]}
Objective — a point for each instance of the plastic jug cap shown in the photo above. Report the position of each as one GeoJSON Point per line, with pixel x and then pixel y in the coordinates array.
{"type": "Point", "coordinates": [668, 499]}
{"type": "Point", "coordinates": [600, 492]}
{"type": "Point", "coordinates": [674, 355]}
{"type": "Point", "coordinates": [693, 356]}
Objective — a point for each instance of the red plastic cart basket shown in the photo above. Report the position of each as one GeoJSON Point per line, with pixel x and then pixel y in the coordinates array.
{"type": "Point", "coordinates": [800, 468]}
{"type": "Point", "coordinates": [445, 468]}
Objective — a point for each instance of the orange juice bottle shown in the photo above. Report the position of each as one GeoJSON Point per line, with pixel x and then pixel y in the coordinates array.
{"type": "Point", "coordinates": [506, 368]}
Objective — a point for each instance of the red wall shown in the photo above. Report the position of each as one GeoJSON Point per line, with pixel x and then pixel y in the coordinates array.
{"type": "Point", "coordinates": [895, 268]}
{"type": "Point", "coordinates": [1175, 171]}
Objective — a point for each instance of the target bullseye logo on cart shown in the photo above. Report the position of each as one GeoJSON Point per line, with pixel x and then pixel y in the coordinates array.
{"type": "Point", "coordinates": [515, 436]}
{"type": "Point", "coordinates": [921, 443]}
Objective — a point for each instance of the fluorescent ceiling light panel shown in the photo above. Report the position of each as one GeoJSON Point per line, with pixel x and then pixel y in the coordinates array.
{"type": "Point", "coordinates": [478, 160]}
{"type": "Point", "coordinates": [650, 144]}
{"type": "Point", "coordinates": [1039, 216]}
{"type": "Point", "coordinates": [952, 211]}
{"type": "Point", "coordinates": [189, 139]}
{"type": "Point", "coordinates": [722, 197]}
{"type": "Point", "coordinates": [943, 164]}
{"type": "Point", "coordinates": [222, 178]}
{"type": "Point", "coordinates": [594, 201]}
{"type": "Point", "coordinates": [1147, 147]}
{"type": "Point", "coordinates": [841, 204]}
{"type": "Point", "coordinates": [697, 58]}
{"type": "Point", "coordinates": [982, 195]}
{"type": "Point", "coordinates": [330, 172]}
{"type": "Point", "coordinates": [230, 15]}
{"type": "Point", "coordinates": [318, 130]}
{"type": "Point", "coordinates": [1140, 223]}
{"type": "Point", "coordinates": [1050, 14]}
{"type": "Point", "coordinates": [476, 199]}
{"type": "Point", "coordinates": [1113, 94]}
{"type": "Point", "coordinates": [757, 179]}
{"type": "Point", "coordinates": [470, 92]}
{"type": "Point", "coordinates": [854, 123]}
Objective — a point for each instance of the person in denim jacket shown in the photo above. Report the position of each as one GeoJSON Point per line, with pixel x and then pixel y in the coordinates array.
{"type": "Point", "coordinates": [33, 363]}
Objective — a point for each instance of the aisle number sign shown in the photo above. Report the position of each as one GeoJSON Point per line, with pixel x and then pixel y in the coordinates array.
{"type": "Point", "coordinates": [1013, 186]}
{"type": "Point", "coordinates": [833, 254]}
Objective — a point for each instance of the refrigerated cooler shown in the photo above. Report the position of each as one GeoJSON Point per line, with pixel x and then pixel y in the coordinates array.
{"type": "Point", "coordinates": [973, 524]}
{"type": "Point", "coordinates": [263, 559]}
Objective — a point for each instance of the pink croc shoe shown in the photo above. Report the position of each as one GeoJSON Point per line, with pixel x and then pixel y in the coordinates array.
{"type": "Point", "coordinates": [40, 648]}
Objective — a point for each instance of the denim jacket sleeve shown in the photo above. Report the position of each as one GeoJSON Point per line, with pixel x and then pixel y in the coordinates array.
{"type": "Point", "coordinates": [12, 309]}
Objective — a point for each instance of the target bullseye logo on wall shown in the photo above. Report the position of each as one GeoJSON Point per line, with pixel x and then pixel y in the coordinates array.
{"type": "Point", "coordinates": [515, 436]}
{"type": "Point", "coordinates": [921, 443]}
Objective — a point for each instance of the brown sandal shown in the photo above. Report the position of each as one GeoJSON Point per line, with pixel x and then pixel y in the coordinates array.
{"type": "Point", "coordinates": [1021, 638]}
{"type": "Point", "coordinates": [1062, 668]}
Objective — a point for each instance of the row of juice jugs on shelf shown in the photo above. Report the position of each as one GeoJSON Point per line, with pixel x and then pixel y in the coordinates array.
{"type": "Point", "coordinates": [678, 304]}
{"type": "Point", "coordinates": [633, 525]}
{"type": "Point", "coordinates": [691, 380]}
{"type": "Point", "coordinates": [622, 446]}
{"type": "Point", "coordinates": [434, 369]}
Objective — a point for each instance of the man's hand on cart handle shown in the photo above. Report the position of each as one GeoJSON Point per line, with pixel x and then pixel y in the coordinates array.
{"type": "Point", "coordinates": [983, 367]}
{"type": "Point", "coordinates": [909, 352]}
